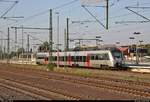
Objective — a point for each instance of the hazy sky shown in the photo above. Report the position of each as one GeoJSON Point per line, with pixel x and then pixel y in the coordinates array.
{"type": "Point", "coordinates": [36, 14]}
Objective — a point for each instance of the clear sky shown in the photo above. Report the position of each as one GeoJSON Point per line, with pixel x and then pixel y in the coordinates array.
{"type": "Point", "coordinates": [36, 14]}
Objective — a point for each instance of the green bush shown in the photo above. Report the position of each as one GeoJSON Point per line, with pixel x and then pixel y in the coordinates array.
{"type": "Point", "coordinates": [50, 67]}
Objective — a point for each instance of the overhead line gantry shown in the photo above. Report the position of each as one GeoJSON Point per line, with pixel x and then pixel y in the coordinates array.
{"type": "Point", "coordinates": [106, 26]}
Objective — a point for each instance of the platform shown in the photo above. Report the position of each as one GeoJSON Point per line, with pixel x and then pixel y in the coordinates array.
{"type": "Point", "coordinates": [144, 68]}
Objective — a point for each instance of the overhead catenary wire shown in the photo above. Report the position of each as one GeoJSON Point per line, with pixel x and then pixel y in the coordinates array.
{"type": "Point", "coordinates": [45, 11]}
{"type": "Point", "coordinates": [36, 38]}
{"type": "Point", "coordinates": [137, 13]}
{"type": "Point", "coordinates": [93, 16]}
{"type": "Point", "coordinates": [6, 1]}
{"type": "Point", "coordinates": [75, 0]}
{"type": "Point", "coordinates": [15, 2]}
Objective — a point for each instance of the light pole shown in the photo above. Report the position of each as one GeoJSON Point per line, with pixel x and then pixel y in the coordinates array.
{"type": "Point", "coordinates": [132, 38]}
{"type": "Point", "coordinates": [22, 43]}
{"type": "Point", "coordinates": [1, 47]}
{"type": "Point", "coordinates": [98, 40]}
{"type": "Point", "coordinates": [57, 39]}
{"type": "Point", "coordinates": [141, 48]}
{"type": "Point", "coordinates": [137, 56]}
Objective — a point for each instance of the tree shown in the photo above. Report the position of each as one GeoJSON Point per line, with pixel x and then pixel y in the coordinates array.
{"type": "Point", "coordinates": [12, 54]}
{"type": "Point", "coordinates": [20, 50]}
{"type": "Point", "coordinates": [148, 50]}
{"type": "Point", "coordinates": [147, 46]}
{"type": "Point", "coordinates": [44, 47]}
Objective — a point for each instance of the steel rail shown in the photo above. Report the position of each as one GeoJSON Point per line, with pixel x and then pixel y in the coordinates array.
{"type": "Point", "coordinates": [105, 85]}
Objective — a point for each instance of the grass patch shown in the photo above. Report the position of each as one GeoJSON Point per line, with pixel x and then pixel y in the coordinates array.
{"type": "Point", "coordinates": [50, 67]}
{"type": "Point", "coordinates": [131, 78]}
{"type": "Point", "coordinates": [74, 71]}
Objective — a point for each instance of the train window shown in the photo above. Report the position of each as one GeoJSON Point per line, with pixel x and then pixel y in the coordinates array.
{"type": "Point", "coordinates": [61, 58]}
{"type": "Point", "coordinates": [40, 57]}
{"type": "Point", "coordinates": [77, 58]}
{"type": "Point", "coordinates": [103, 56]}
{"type": "Point", "coordinates": [92, 57]}
{"type": "Point", "coordinates": [80, 58]}
{"type": "Point", "coordinates": [72, 58]}
{"type": "Point", "coordinates": [55, 58]}
{"type": "Point", "coordinates": [96, 57]}
{"type": "Point", "coordinates": [100, 57]}
{"type": "Point", "coordinates": [117, 54]}
{"type": "Point", "coordinates": [106, 56]}
{"type": "Point", "coordinates": [83, 58]}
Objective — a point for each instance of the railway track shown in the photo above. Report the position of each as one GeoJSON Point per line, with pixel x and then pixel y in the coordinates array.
{"type": "Point", "coordinates": [10, 85]}
{"type": "Point", "coordinates": [2, 98]}
{"type": "Point", "coordinates": [56, 93]}
{"type": "Point", "coordinates": [101, 79]}
{"type": "Point", "coordinates": [32, 91]}
{"type": "Point", "coordinates": [69, 77]}
{"type": "Point", "coordinates": [106, 84]}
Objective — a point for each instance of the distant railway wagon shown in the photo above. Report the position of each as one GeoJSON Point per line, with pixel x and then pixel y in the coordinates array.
{"type": "Point", "coordinates": [42, 58]}
{"type": "Point", "coordinates": [93, 59]}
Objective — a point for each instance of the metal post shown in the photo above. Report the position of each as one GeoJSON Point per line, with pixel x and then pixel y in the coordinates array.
{"type": "Point", "coordinates": [67, 36]}
{"type": "Point", "coordinates": [4, 50]}
{"type": "Point", "coordinates": [141, 48]}
{"type": "Point", "coordinates": [107, 13]}
{"type": "Point", "coordinates": [80, 43]}
{"type": "Point", "coordinates": [137, 56]}
{"type": "Point", "coordinates": [28, 46]}
{"type": "Point", "coordinates": [22, 45]}
{"type": "Point", "coordinates": [8, 45]}
{"type": "Point", "coordinates": [58, 41]}
{"type": "Point", "coordinates": [65, 47]}
{"type": "Point", "coordinates": [132, 38]}
{"type": "Point", "coordinates": [50, 37]}
{"type": "Point", "coordinates": [16, 43]}
{"type": "Point", "coordinates": [15, 38]}
{"type": "Point", "coordinates": [1, 46]}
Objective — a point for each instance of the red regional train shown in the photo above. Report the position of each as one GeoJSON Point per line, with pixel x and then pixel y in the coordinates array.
{"type": "Point", "coordinates": [93, 59]}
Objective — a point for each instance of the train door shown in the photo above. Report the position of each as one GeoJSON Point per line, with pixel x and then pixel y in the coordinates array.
{"type": "Point", "coordinates": [69, 60]}
{"type": "Point", "coordinates": [45, 60]}
{"type": "Point", "coordinates": [88, 60]}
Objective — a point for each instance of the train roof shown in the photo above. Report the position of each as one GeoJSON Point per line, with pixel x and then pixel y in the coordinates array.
{"type": "Point", "coordinates": [72, 53]}
{"type": "Point", "coordinates": [42, 54]}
